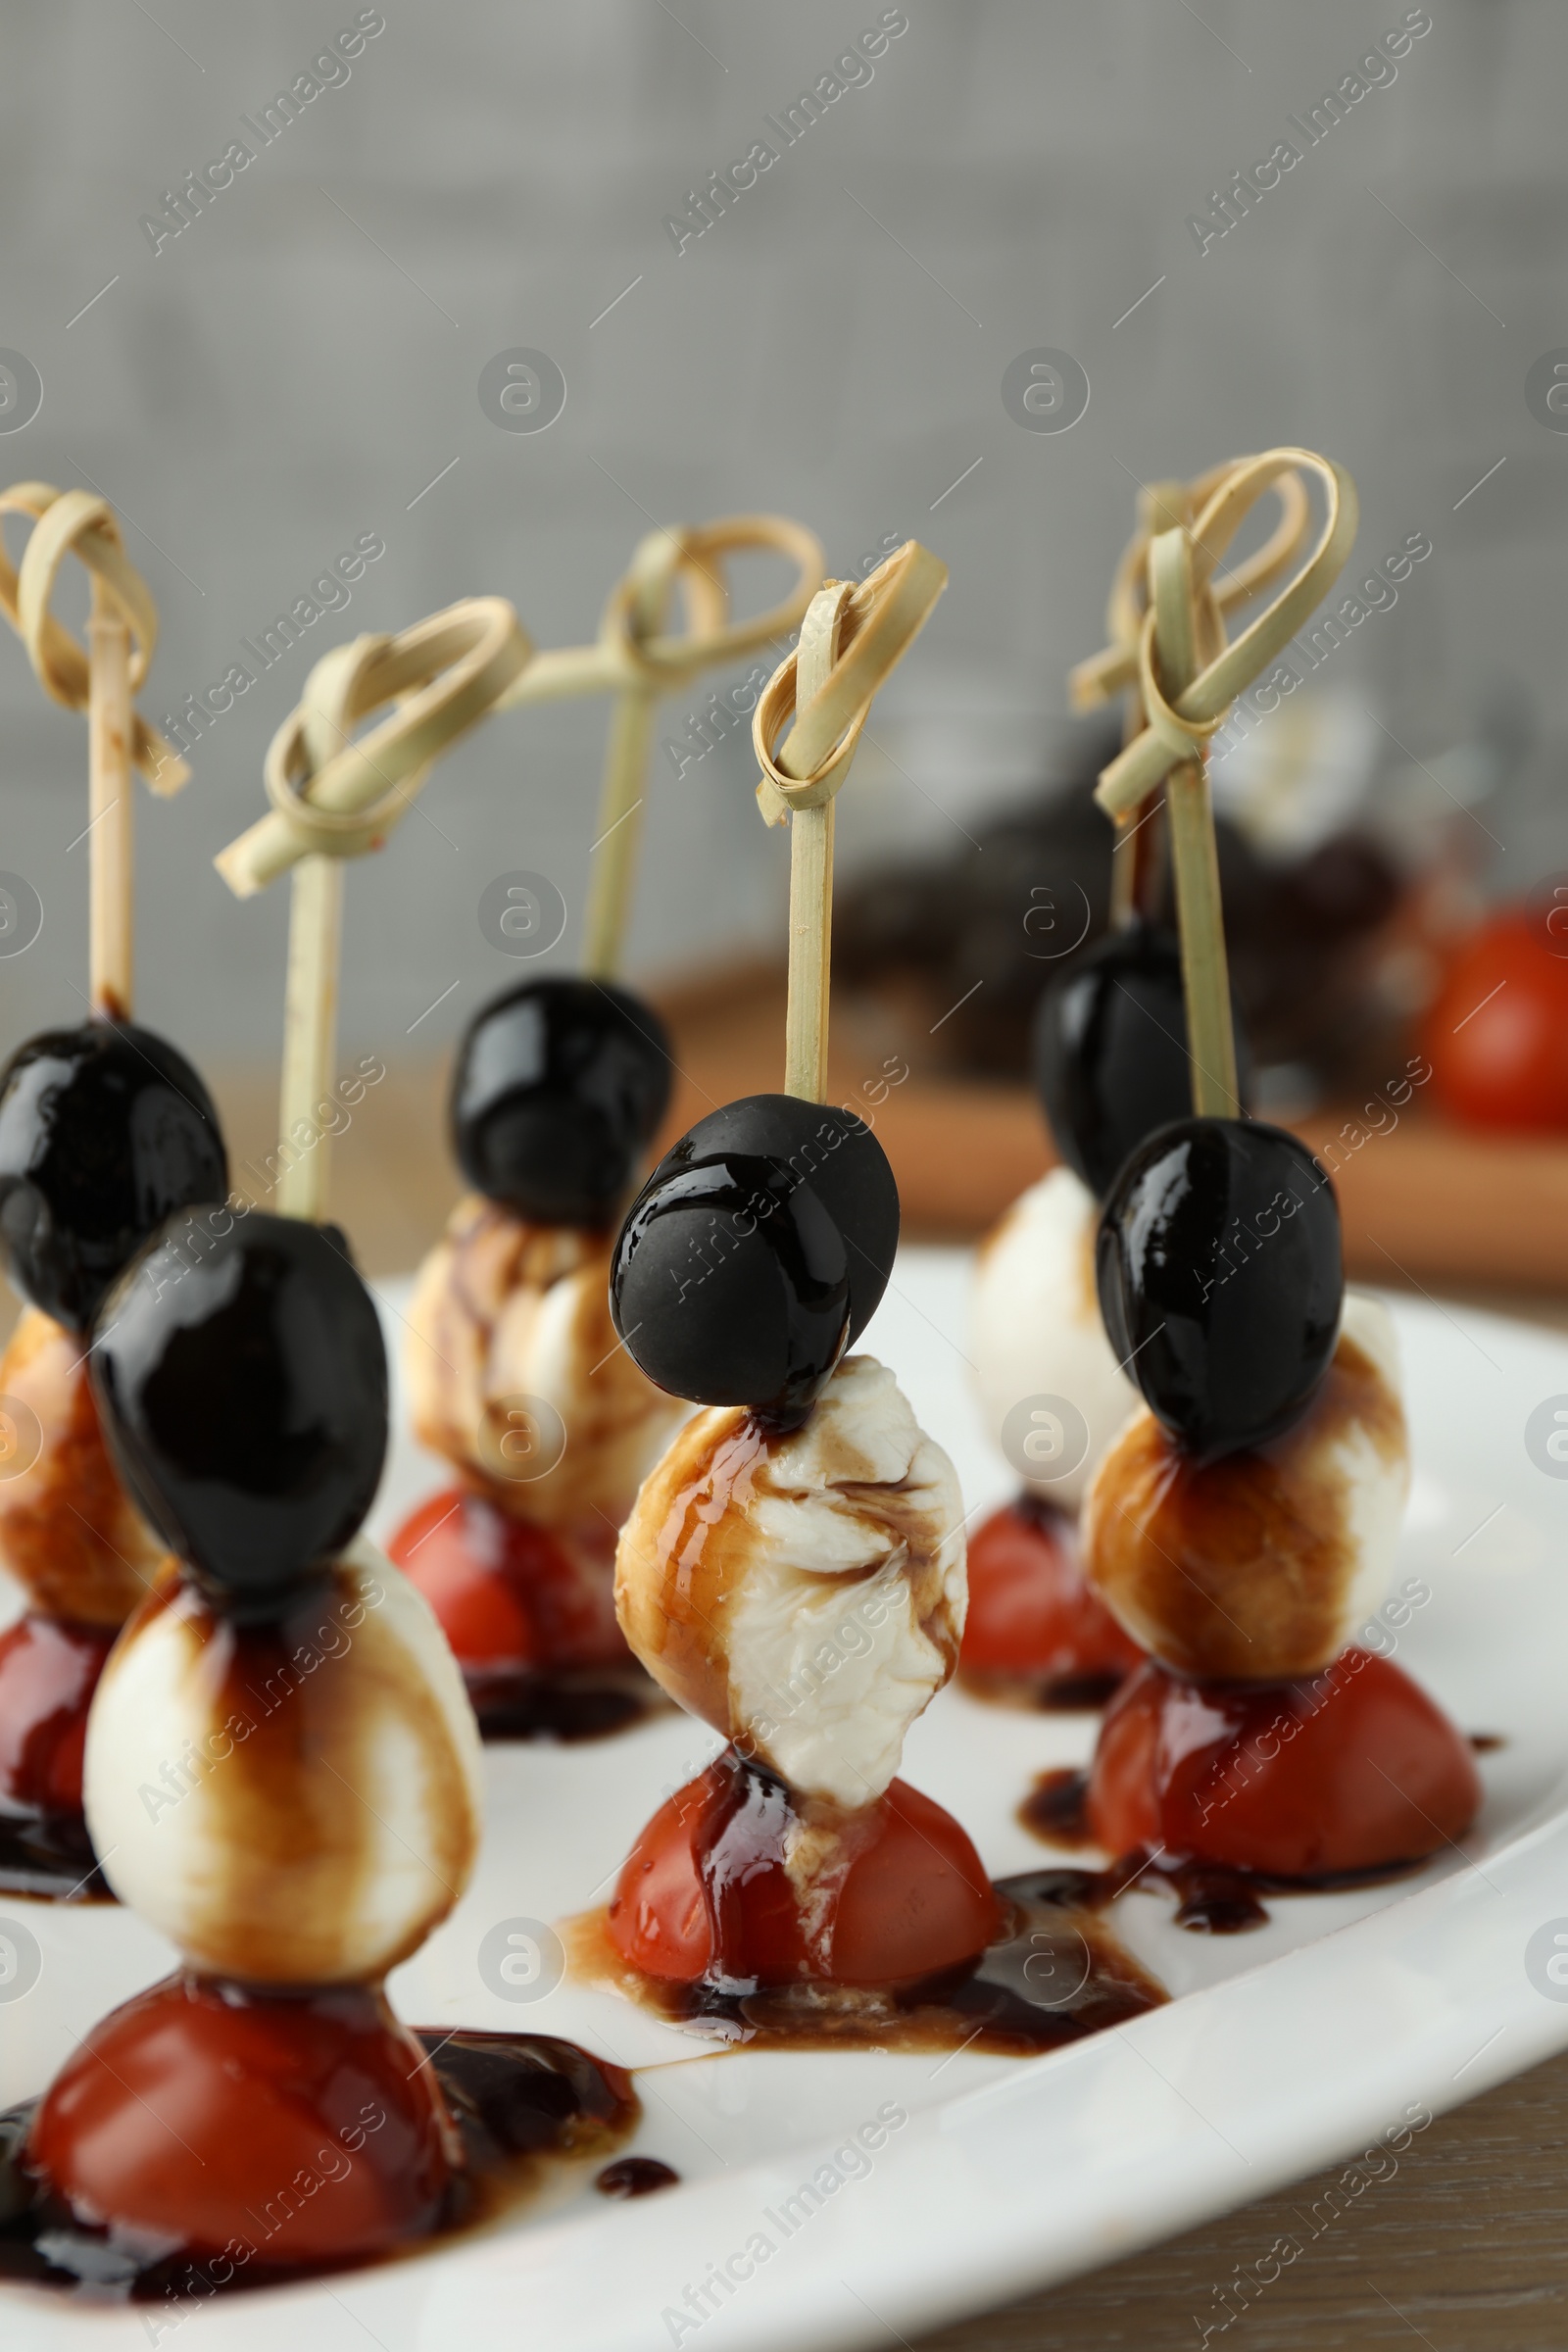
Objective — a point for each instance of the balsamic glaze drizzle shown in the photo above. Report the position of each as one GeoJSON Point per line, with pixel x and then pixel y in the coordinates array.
{"type": "Point", "coordinates": [1213, 1898]}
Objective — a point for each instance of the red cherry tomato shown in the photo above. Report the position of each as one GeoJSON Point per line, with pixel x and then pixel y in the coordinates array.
{"type": "Point", "coordinates": [1031, 1613]}
{"type": "Point", "coordinates": [705, 1894]}
{"type": "Point", "coordinates": [48, 1674]}
{"type": "Point", "coordinates": [197, 2117]}
{"type": "Point", "coordinates": [509, 1594]}
{"type": "Point", "coordinates": [1355, 1770]}
{"type": "Point", "coordinates": [1498, 1035]}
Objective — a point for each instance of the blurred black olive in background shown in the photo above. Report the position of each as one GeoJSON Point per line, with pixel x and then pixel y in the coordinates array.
{"type": "Point", "coordinates": [1004, 916]}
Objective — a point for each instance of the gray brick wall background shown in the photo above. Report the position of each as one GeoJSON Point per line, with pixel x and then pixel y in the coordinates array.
{"type": "Point", "coordinates": [290, 371]}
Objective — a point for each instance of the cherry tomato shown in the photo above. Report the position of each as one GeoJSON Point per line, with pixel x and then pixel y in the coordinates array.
{"type": "Point", "coordinates": [48, 1673]}
{"type": "Point", "coordinates": [509, 1594]}
{"type": "Point", "coordinates": [306, 2127]}
{"type": "Point", "coordinates": [1354, 1769]}
{"type": "Point", "coordinates": [1498, 1035]}
{"type": "Point", "coordinates": [1031, 1613]}
{"type": "Point", "coordinates": [704, 1894]}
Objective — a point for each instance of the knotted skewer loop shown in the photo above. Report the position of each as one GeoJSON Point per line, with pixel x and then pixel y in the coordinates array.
{"type": "Point", "coordinates": [880, 620]}
{"type": "Point", "coordinates": [1188, 672]}
{"type": "Point", "coordinates": [444, 675]}
{"type": "Point", "coordinates": [632, 648]}
{"type": "Point", "coordinates": [851, 639]}
{"type": "Point", "coordinates": [1160, 507]}
{"type": "Point", "coordinates": [1182, 630]}
{"type": "Point", "coordinates": [1189, 716]}
{"type": "Point", "coordinates": [332, 798]}
{"type": "Point", "coordinates": [78, 522]}
{"type": "Point", "coordinates": [636, 661]}
{"type": "Point", "coordinates": [101, 678]}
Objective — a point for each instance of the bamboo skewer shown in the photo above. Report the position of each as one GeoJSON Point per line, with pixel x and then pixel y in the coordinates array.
{"type": "Point", "coordinates": [629, 658]}
{"type": "Point", "coordinates": [621, 653]}
{"type": "Point", "coordinates": [1206, 979]}
{"type": "Point", "coordinates": [111, 838]}
{"type": "Point", "coordinates": [335, 797]}
{"type": "Point", "coordinates": [101, 680]}
{"type": "Point", "coordinates": [1200, 709]}
{"type": "Point", "coordinates": [443, 674]}
{"type": "Point", "coordinates": [851, 639]}
{"type": "Point", "coordinates": [1135, 853]}
{"type": "Point", "coordinates": [1188, 673]}
{"type": "Point", "coordinates": [639, 665]}
{"type": "Point", "coordinates": [811, 872]}
{"type": "Point", "coordinates": [612, 862]}
{"type": "Point", "coordinates": [310, 1032]}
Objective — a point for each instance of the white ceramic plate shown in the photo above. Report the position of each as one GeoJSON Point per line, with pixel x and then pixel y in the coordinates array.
{"type": "Point", "coordinates": [1286, 2048]}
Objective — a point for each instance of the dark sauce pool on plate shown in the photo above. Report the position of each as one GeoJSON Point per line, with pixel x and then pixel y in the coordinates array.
{"type": "Point", "coordinates": [1054, 1975]}
{"type": "Point", "coordinates": [1212, 1899]}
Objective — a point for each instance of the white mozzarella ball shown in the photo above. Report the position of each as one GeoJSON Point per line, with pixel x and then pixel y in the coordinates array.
{"type": "Point", "coordinates": [1037, 1330]}
{"type": "Point", "coordinates": [805, 1594]}
{"type": "Point", "coordinates": [289, 1804]}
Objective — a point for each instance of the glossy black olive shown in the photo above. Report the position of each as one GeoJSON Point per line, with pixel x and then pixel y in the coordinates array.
{"type": "Point", "coordinates": [755, 1253]}
{"type": "Point", "coordinates": [1110, 1050]}
{"type": "Point", "coordinates": [242, 1380]}
{"type": "Point", "coordinates": [1218, 1261]}
{"type": "Point", "coordinates": [559, 1089]}
{"type": "Point", "coordinates": [103, 1131]}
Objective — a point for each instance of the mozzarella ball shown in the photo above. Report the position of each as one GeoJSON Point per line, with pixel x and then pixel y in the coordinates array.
{"type": "Point", "coordinates": [68, 1531]}
{"type": "Point", "coordinates": [1261, 1566]}
{"type": "Point", "coordinates": [291, 1803]}
{"type": "Point", "coordinates": [803, 1593]}
{"type": "Point", "coordinates": [1037, 1328]}
{"type": "Point", "coordinates": [503, 1311]}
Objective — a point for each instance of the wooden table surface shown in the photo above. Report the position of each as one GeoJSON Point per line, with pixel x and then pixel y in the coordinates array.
{"type": "Point", "coordinates": [1466, 2248]}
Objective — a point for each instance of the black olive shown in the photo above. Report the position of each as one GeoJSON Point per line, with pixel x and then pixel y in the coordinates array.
{"type": "Point", "coordinates": [1110, 1050]}
{"type": "Point", "coordinates": [755, 1253]}
{"type": "Point", "coordinates": [559, 1089]}
{"type": "Point", "coordinates": [103, 1131]}
{"type": "Point", "coordinates": [243, 1383]}
{"type": "Point", "coordinates": [1220, 1278]}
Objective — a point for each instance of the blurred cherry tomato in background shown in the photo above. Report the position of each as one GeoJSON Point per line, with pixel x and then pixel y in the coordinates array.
{"type": "Point", "coordinates": [1498, 1035]}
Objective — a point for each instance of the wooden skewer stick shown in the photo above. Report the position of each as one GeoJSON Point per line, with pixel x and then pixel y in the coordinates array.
{"type": "Point", "coordinates": [613, 857]}
{"type": "Point", "coordinates": [310, 1033]}
{"type": "Point", "coordinates": [101, 678]}
{"type": "Point", "coordinates": [315, 949]}
{"type": "Point", "coordinates": [635, 614]}
{"type": "Point", "coordinates": [851, 638]}
{"type": "Point", "coordinates": [647, 664]}
{"type": "Point", "coordinates": [1189, 672]}
{"type": "Point", "coordinates": [334, 795]}
{"type": "Point", "coordinates": [811, 871]}
{"type": "Point", "coordinates": [111, 810]}
{"type": "Point", "coordinates": [1206, 976]}
{"type": "Point", "coordinates": [1135, 853]}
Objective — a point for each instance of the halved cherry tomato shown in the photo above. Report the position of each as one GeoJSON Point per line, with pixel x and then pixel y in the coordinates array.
{"type": "Point", "coordinates": [304, 2125]}
{"type": "Point", "coordinates": [509, 1594]}
{"type": "Point", "coordinates": [1498, 1035]}
{"type": "Point", "coordinates": [1354, 1769]}
{"type": "Point", "coordinates": [1031, 1613]}
{"type": "Point", "coordinates": [704, 1893]}
{"type": "Point", "coordinates": [48, 1673]}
